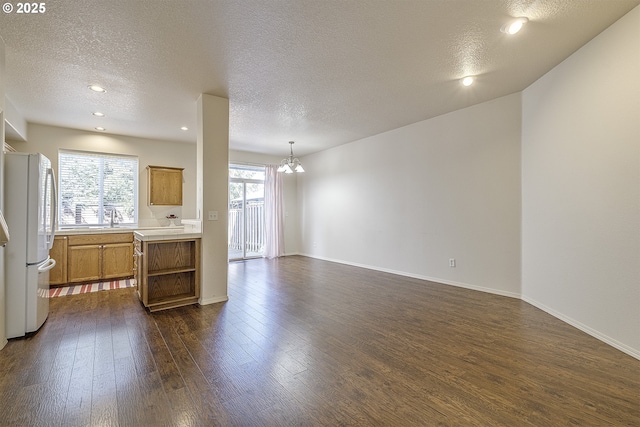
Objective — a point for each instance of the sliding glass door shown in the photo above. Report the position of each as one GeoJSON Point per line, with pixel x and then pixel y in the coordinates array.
{"type": "Point", "coordinates": [246, 212]}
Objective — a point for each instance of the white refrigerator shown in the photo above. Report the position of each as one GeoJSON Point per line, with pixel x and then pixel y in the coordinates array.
{"type": "Point", "coordinates": [30, 212]}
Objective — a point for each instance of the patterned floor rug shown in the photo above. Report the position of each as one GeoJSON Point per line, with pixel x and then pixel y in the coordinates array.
{"type": "Point", "coordinates": [84, 288]}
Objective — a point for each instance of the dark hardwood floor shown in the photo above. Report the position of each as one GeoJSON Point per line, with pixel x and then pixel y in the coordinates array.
{"type": "Point", "coordinates": [312, 343]}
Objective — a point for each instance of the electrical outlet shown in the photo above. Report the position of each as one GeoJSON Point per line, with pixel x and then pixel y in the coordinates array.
{"type": "Point", "coordinates": [452, 262]}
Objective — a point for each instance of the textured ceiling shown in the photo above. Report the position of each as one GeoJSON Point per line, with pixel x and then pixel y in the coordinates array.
{"type": "Point", "coordinates": [320, 72]}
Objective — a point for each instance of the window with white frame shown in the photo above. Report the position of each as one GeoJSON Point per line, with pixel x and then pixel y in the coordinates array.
{"type": "Point", "coordinates": [93, 188]}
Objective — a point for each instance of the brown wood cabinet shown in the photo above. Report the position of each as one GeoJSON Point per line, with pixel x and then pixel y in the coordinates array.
{"type": "Point", "coordinates": [164, 186]}
{"type": "Point", "coordinates": [93, 257]}
{"type": "Point", "coordinates": [117, 260]}
{"type": "Point", "coordinates": [58, 274]}
{"type": "Point", "coordinates": [168, 273]}
{"type": "Point", "coordinates": [84, 263]}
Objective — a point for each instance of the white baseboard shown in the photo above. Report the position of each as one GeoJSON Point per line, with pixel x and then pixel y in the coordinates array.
{"type": "Point", "coordinates": [3, 343]}
{"type": "Point", "coordinates": [213, 300]}
{"type": "Point", "coordinates": [417, 276]}
{"type": "Point", "coordinates": [584, 328]}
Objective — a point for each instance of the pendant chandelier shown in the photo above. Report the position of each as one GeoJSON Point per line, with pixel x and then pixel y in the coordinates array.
{"type": "Point", "coordinates": [291, 163]}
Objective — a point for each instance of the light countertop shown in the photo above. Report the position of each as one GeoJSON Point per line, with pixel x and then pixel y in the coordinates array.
{"type": "Point", "coordinates": [94, 230]}
{"type": "Point", "coordinates": [166, 233]}
{"type": "Point", "coordinates": [188, 227]}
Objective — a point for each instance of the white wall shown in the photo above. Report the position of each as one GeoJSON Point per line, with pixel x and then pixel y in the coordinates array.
{"type": "Point", "coordinates": [581, 188]}
{"type": "Point", "coordinates": [408, 200]}
{"type": "Point", "coordinates": [3, 334]}
{"type": "Point", "coordinates": [49, 139]}
{"type": "Point", "coordinates": [14, 121]}
{"type": "Point", "coordinates": [291, 235]}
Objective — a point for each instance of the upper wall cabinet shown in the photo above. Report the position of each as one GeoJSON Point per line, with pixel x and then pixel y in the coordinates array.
{"type": "Point", "coordinates": [164, 186]}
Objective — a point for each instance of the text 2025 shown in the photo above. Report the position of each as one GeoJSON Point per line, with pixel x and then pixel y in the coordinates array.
{"type": "Point", "coordinates": [31, 7]}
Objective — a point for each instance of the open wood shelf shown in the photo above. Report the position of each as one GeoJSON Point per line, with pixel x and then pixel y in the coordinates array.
{"type": "Point", "coordinates": [168, 273]}
{"type": "Point", "coordinates": [173, 304]}
{"type": "Point", "coordinates": [171, 298]}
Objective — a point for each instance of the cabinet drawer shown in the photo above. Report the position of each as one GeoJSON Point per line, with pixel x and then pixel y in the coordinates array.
{"type": "Point", "coordinates": [100, 239]}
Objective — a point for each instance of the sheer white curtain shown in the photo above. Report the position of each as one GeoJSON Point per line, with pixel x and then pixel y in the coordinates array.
{"type": "Point", "coordinates": [273, 213]}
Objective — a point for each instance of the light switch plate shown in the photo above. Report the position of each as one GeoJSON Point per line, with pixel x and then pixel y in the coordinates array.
{"type": "Point", "coordinates": [213, 215]}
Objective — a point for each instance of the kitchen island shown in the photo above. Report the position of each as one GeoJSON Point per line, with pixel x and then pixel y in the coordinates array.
{"type": "Point", "coordinates": [167, 267]}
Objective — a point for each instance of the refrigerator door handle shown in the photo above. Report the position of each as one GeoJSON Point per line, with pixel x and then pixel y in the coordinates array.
{"type": "Point", "coordinates": [54, 207]}
{"type": "Point", "coordinates": [47, 265]}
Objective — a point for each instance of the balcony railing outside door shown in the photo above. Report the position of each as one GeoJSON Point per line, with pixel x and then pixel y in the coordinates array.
{"type": "Point", "coordinates": [246, 227]}
{"type": "Point", "coordinates": [246, 211]}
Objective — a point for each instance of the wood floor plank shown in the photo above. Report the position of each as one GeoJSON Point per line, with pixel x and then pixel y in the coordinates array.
{"type": "Point", "coordinates": [197, 401]}
{"type": "Point", "coordinates": [77, 410]}
{"type": "Point", "coordinates": [156, 405]}
{"type": "Point", "coordinates": [104, 401]}
{"type": "Point", "coordinates": [56, 388]}
{"type": "Point", "coordinates": [130, 400]}
{"type": "Point", "coordinates": [163, 359]}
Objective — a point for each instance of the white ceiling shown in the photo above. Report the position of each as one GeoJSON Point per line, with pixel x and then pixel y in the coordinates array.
{"type": "Point", "coordinates": [320, 72]}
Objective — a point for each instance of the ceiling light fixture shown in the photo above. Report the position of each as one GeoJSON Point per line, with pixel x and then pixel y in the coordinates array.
{"type": "Point", "coordinates": [100, 128]}
{"type": "Point", "coordinates": [98, 114]}
{"type": "Point", "coordinates": [97, 88]}
{"type": "Point", "coordinates": [514, 25]}
{"type": "Point", "coordinates": [184, 128]}
{"type": "Point", "coordinates": [467, 81]}
{"type": "Point", "coordinates": [291, 163]}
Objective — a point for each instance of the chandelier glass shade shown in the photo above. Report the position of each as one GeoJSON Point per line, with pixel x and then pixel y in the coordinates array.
{"type": "Point", "coordinates": [290, 164]}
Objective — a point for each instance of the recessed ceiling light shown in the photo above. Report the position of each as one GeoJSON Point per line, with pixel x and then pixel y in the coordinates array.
{"type": "Point", "coordinates": [100, 128]}
{"type": "Point", "coordinates": [514, 25]}
{"type": "Point", "coordinates": [467, 81]}
{"type": "Point", "coordinates": [184, 128]}
{"type": "Point", "coordinates": [98, 114]}
{"type": "Point", "coordinates": [97, 88]}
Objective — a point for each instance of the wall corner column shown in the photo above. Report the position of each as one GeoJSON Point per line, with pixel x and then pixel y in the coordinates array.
{"type": "Point", "coordinates": [212, 177]}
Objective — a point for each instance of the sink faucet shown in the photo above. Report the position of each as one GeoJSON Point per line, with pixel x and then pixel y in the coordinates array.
{"type": "Point", "coordinates": [111, 222]}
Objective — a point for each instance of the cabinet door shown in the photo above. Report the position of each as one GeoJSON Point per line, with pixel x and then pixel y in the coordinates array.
{"type": "Point", "coordinates": [84, 263]}
{"type": "Point", "coordinates": [58, 274]}
{"type": "Point", "coordinates": [117, 260]}
{"type": "Point", "coordinates": [165, 186]}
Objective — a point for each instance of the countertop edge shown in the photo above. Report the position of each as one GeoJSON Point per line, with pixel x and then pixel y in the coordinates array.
{"type": "Point", "coordinates": [89, 230]}
{"type": "Point", "coordinates": [158, 235]}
